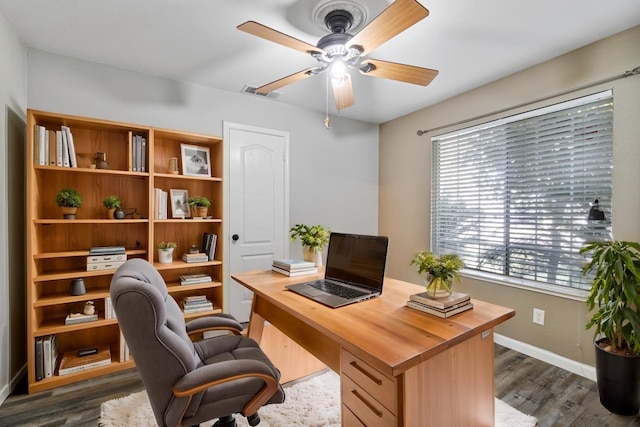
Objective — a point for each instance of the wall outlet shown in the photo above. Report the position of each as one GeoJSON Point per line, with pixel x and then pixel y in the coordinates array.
{"type": "Point", "coordinates": [538, 316]}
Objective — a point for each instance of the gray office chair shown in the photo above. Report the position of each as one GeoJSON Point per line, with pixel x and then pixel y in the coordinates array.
{"type": "Point", "coordinates": [189, 382]}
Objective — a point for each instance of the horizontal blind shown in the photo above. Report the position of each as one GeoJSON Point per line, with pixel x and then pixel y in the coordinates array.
{"type": "Point", "coordinates": [512, 196]}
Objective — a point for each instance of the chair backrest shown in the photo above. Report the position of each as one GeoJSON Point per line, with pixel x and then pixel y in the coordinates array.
{"type": "Point", "coordinates": [154, 329]}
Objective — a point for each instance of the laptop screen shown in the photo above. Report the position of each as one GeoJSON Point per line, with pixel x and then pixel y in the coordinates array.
{"type": "Point", "coordinates": [357, 259]}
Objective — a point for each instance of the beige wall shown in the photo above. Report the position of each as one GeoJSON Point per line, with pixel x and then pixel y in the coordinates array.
{"type": "Point", "coordinates": [405, 178]}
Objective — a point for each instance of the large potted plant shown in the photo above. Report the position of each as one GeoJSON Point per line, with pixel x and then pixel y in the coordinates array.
{"type": "Point", "coordinates": [440, 272]}
{"type": "Point", "coordinates": [69, 200]}
{"type": "Point", "coordinates": [614, 298]}
{"type": "Point", "coordinates": [313, 238]}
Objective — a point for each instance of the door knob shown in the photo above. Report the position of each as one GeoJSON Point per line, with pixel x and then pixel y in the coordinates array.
{"type": "Point", "coordinates": [235, 237]}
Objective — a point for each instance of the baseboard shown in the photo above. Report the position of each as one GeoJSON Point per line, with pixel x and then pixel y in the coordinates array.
{"type": "Point", "coordinates": [8, 388]}
{"type": "Point", "coordinates": [572, 366]}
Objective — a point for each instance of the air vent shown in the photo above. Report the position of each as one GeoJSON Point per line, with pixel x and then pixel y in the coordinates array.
{"type": "Point", "coordinates": [252, 91]}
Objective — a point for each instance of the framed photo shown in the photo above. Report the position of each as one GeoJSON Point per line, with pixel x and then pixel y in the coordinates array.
{"type": "Point", "coordinates": [179, 205]}
{"type": "Point", "coordinates": [195, 160]}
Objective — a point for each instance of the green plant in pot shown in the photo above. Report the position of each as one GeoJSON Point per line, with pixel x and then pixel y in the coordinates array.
{"type": "Point", "coordinates": [313, 238]}
{"type": "Point", "coordinates": [111, 203]}
{"type": "Point", "coordinates": [613, 300]}
{"type": "Point", "coordinates": [69, 200]}
{"type": "Point", "coordinates": [199, 205]}
{"type": "Point", "coordinates": [440, 272]}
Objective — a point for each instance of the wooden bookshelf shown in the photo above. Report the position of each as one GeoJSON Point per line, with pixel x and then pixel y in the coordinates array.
{"type": "Point", "coordinates": [57, 248]}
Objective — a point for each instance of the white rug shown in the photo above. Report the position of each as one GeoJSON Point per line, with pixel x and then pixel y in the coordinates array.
{"type": "Point", "coordinates": [299, 409]}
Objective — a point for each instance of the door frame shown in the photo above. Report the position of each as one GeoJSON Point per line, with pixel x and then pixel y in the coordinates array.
{"type": "Point", "coordinates": [227, 126]}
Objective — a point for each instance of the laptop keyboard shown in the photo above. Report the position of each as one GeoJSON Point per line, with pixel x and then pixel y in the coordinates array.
{"type": "Point", "coordinates": [341, 291]}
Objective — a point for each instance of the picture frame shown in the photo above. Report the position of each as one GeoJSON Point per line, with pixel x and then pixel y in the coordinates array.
{"type": "Point", "coordinates": [196, 160]}
{"type": "Point", "coordinates": [179, 204]}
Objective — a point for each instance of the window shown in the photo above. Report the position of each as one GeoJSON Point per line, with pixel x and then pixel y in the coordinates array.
{"type": "Point", "coordinates": [513, 196]}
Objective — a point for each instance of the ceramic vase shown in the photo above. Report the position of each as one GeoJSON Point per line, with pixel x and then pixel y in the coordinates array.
{"type": "Point", "coordinates": [312, 255]}
{"type": "Point", "coordinates": [165, 256]}
{"type": "Point", "coordinates": [438, 287]}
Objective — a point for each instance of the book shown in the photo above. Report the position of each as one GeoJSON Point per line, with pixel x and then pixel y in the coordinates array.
{"type": "Point", "coordinates": [293, 264]}
{"type": "Point", "coordinates": [106, 258]}
{"type": "Point", "coordinates": [209, 241]}
{"type": "Point", "coordinates": [39, 359]}
{"type": "Point", "coordinates": [65, 150]}
{"type": "Point", "coordinates": [440, 313]}
{"type": "Point", "coordinates": [295, 273]}
{"type": "Point", "coordinates": [193, 279]}
{"type": "Point", "coordinates": [75, 318]}
{"type": "Point", "coordinates": [71, 362]}
{"type": "Point", "coordinates": [46, 355]}
{"type": "Point", "coordinates": [72, 149]}
{"type": "Point", "coordinates": [59, 148]}
{"type": "Point", "coordinates": [51, 138]}
{"type": "Point", "coordinates": [143, 160]}
{"type": "Point", "coordinates": [199, 258]}
{"type": "Point", "coordinates": [106, 250]}
{"type": "Point", "coordinates": [456, 299]}
{"type": "Point", "coordinates": [96, 266]}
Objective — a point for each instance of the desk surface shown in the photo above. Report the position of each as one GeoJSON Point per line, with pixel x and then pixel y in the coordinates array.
{"type": "Point", "coordinates": [382, 330]}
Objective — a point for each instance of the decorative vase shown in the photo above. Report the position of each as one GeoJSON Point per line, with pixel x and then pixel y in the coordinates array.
{"type": "Point", "coordinates": [101, 160]}
{"type": "Point", "coordinates": [119, 214]}
{"type": "Point", "coordinates": [173, 166]}
{"type": "Point", "coordinates": [312, 255]}
{"type": "Point", "coordinates": [76, 287]}
{"type": "Point", "coordinates": [69, 212]}
{"type": "Point", "coordinates": [438, 287]}
{"type": "Point", "coordinates": [165, 256]}
{"type": "Point", "coordinates": [110, 212]}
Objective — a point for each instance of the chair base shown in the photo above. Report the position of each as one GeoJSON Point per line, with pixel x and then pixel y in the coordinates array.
{"type": "Point", "coordinates": [253, 420]}
{"type": "Point", "coordinates": [227, 421]}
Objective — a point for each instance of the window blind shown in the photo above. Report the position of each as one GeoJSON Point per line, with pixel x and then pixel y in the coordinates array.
{"type": "Point", "coordinates": [512, 196]}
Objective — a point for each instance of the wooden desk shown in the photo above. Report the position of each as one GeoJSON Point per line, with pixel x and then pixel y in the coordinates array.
{"type": "Point", "coordinates": [398, 366]}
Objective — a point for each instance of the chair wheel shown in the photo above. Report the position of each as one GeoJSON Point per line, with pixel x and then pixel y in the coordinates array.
{"type": "Point", "coordinates": [227, 421]}
{"type": "Point", "coordinates": [253, 420]}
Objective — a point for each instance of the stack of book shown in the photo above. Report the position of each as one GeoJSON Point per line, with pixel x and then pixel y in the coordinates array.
{"type": "Point", "coordinates": [294, 267]}
{"type": "Point", "coordinates": [197, 257]}
{"type": "Point", "coordinates": [194, 279]}
{"type": "Point", "coordinates": [138, 153]}
{"type": "Point", "coordinates": [209, 245]}
{"type": "Point", "coordinates": [46, 356]}
{"type": "Point", "coordinates": [81, 360]}
{"type": "Point", "coordinates": [456, 303]}
{"type": "Point", "coordinates": [106, 258]}
{"type": "Point", "coordinates": [196, 304]}
{"type": "Point", "coordinates": [75, 318]}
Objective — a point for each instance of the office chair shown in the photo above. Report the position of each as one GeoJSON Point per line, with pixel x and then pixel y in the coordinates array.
{"type": "Point", "coordinates": [189, 382]}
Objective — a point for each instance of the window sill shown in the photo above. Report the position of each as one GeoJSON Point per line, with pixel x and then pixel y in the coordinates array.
{"type": "Point", "coordinates": [529, 285]}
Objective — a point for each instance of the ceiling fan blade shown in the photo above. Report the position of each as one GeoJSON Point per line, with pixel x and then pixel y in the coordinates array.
{"type": "Point", "coordinates": [343, 92]}
{"type": "Point", "coordinates": [270, 87]}
{"type": "Point", "coordinates": [275, 36]}
{"type": "Point", "coordinates": [401, 72]}
{"type": "Point", "coordinates": [399, 16]}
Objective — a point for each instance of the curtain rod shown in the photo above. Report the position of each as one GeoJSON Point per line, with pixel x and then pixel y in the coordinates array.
{"type": "Point", "coordinates": [633, 72]}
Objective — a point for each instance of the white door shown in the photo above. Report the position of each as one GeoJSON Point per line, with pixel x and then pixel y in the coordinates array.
{"type": "Point", "coordinates": [258, 207]}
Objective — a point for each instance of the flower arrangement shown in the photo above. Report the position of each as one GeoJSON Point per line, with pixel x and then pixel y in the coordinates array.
{"type": "Point", "coordinates": [315, 237]}
{"type": "Point", "coordinates": [441, 269]}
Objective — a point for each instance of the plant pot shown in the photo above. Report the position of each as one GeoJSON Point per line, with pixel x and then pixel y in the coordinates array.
{"type": "Point", "coordinates": [165, 256]}
{"type": "Point", "coordinates": [438, 287]}
{"type": "Point", "coordinates": [199, 211]}
{"type": "Point", "coordinates": [618, 378]}
{"type": "Point", "coordinates": [110, 212]}
{"type": "Point", "coordinates": [312, 255]}
{"type": "Point", "coordinates": [69, 213]}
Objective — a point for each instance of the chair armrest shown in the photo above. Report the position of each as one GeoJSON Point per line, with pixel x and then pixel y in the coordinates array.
{"type": "Point", "coordinates": [215, 322]}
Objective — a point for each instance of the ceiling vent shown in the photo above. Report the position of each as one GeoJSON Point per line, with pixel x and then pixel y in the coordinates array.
{"type": "Point", "coordinates": [252, 90]}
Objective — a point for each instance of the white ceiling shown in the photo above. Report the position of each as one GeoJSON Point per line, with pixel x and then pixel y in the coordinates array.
{"type": "Point", "coordinates": [471, 42]}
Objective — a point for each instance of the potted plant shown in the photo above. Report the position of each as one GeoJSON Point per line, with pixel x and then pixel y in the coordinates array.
{"type": "Point", "coordinates": [111, 203]}
{"type": "Point", "coordinates": [614, 298]}
{"type": "Point", "coordinates": [199, 206]}
{"type": "Point", "coordinates": [313, 238]}
{"type": "Point", "coordinates": [165, 252]}
{"type": "Point", "coordinates": [440, 272]}
{"type": "Point", "coordinates": [69, 200]}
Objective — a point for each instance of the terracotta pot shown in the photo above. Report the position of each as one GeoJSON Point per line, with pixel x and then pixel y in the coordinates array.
{"type": "Point", "coordinates": [199, 211]}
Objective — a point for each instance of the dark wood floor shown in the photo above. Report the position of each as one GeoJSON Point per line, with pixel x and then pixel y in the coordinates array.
{"type": "Point", "coordinates": [554, 396]}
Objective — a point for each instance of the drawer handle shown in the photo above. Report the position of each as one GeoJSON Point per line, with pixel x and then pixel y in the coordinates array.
{"type": "Point", "coordinates": [366, 402]}
{"type": "Point", "coordinates": [365, 372]}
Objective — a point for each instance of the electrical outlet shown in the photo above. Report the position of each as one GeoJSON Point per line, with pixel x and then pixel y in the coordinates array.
{"type": "Point", "coordinates": [538, 316]}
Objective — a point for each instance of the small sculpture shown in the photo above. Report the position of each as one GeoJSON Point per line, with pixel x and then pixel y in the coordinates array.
{"type": "Point", "coordinates": [89, 308]}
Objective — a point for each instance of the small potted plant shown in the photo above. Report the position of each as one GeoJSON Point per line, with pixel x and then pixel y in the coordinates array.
{"type": "Point", "coordinates": [440, 272]}
{"type": "Point", "coordinates": [613, 301]}
{"type": "Point", "coordinates": [199, 206]}
{"type": "Point", "coordinates": [111, 203]}
{"type": "Point", "coordinates": [69, 200]}
{"type": "Point", "coordinates": [165, 252]}
{"type": "Point", "coordinates": [313, 238]}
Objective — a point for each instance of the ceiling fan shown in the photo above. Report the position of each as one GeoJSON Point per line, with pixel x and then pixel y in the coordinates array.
{"type": "Point", "coordinates": [340, 51]}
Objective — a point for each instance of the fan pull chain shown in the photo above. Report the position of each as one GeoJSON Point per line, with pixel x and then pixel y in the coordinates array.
{"type": "Point", "coordinates": [327, 122]}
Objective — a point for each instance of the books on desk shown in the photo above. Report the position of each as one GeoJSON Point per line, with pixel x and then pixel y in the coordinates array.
{"type": "Point", "coordinates": [294, 267]}
{"type": "Point", "coordinates": [442, 307]}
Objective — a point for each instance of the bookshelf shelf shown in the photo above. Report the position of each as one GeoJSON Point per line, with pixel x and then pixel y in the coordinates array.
{"type": "Point", "coordinates": [57, 248]}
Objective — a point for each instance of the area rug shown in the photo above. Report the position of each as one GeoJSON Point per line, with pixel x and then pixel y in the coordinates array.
{"type": "Point", "coordinates": [300, 408]}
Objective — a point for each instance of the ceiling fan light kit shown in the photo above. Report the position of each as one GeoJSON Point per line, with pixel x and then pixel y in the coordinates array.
{"type": "Point", "coordinates": [340, 51]}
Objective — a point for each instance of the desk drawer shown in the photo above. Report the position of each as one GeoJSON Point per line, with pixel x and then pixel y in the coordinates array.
{"type": "Point", "coordinates": [350, 420]}
{"type": "Point", "coordinates": [368, 410]}
{"type": "Point", "coordinates": [378, 385]}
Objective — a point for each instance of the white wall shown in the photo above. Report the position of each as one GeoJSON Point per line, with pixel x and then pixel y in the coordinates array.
{"type": "Point", "coordinates": [13, 97]}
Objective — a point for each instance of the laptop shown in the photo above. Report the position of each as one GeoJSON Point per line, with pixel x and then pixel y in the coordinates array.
{"type": "Point", "coordinates": [354, 271]}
